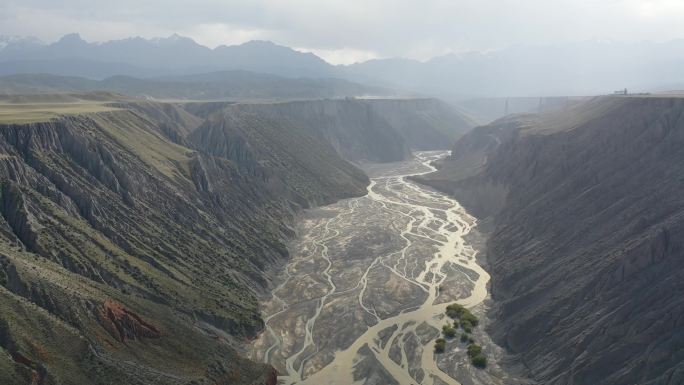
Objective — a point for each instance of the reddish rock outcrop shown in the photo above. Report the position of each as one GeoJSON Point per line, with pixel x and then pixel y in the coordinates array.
{"type": "Point", "coordinates": [123, 324]}
{"type": "Point", "coordinates": [272, 378]}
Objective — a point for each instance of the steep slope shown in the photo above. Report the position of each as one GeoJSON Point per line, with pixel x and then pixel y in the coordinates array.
{"type": "Point", "coordinates": [293, 163]}
{"type": "Point", "coordinates": [425, 124]}
{"type": "Point", "coordinates": [349, 126]}
{"type": "Point", "coordinates": [381, 130]}
{"type": "Point", "coordinates": [128, 256]}
{"type": "Point", "coordinates": [586, 251]}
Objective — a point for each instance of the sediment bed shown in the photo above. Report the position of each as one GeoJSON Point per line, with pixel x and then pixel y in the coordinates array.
{"type": "Point", "coordinates": [363, 298]}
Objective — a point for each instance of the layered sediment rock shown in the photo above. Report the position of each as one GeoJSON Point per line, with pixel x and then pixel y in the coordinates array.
{"type": "Point", "coordinates": [378, 130]}
{"type": "Point", "coordinates": [586, 247]}
{"type": "Point", "coordinates": [127, 253]}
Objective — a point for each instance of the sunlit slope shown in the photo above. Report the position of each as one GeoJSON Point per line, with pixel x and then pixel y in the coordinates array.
{"type": "Point", "coordinates": [129, 256]}
{"type": "Point", "coordinates": [43, 107]}
{"type": "Point", "coordinates": [222, 85]}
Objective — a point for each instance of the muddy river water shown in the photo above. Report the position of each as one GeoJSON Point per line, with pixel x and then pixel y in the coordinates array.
{"type": "Point", "coordinates": [362, 299]}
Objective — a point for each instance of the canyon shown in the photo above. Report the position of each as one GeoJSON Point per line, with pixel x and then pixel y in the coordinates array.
{"type": "Point", "coordinates": [321, 241]}
{"type": "Point", "coordinates": [136, 236]}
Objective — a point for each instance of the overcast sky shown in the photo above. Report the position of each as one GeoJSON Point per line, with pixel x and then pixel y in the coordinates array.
{"type": "Point", "coordinates": [344, 31]}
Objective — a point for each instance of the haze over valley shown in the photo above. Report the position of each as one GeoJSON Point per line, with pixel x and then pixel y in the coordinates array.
{"type": "Point", "coordinates": [342, 193]}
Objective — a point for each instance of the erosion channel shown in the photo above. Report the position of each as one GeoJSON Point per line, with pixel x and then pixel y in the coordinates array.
{"type": "Point", "coordinates": [363, 297]}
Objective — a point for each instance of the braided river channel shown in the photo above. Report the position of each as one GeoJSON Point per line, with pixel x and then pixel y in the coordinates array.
{"type": "Point", "coordinates": [363, 297]}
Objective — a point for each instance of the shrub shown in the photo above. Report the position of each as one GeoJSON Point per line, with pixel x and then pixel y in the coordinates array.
{"type": "Point", "coordinates": [464, 337]}
{"type": "Point", "coordinates": [449, 332]}
{"type": "Point", "coordinates": [456, 324]}
{"type": "Point", "coordinates": [479, 361]}
{"type": "Point", "coordinates": [467, 326]}
{"type": "Point", "coordinates": [457, 311]}
{"type": "Point", "coordinates": [454, 310]}
{"type": "Point", "coordinates": [440, 345]}
{"type": "Point", "coordinates": [474, 350]}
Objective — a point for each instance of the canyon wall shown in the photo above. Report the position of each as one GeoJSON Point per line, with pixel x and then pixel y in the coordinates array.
{"type": "Point", "coordinates": [376, 130]}
{"type": "Point", "coordinates": [586, 245]}
{"type": "Point", "coordinates": [129, 254]}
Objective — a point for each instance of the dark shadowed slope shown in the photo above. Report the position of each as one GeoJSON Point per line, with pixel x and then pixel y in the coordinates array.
{"type": "Point", "coordinates": [586, 252]}
{"type": "Point", "coordinates": [128, 256]}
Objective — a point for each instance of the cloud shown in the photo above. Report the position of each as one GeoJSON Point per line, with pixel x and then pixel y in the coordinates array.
{"type": "Point", "coordinates": [350, 30]}
{"type": "Point", "coordinates": [344, 55]}
{"type": "Point", "coordinates": [215, 34]}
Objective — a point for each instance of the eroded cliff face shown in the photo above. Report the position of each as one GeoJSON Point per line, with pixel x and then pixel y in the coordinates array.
{"type": "Point", "coordinates": [425, 124]}
{"type": "Point", "coordinates": [359, 130]}
{"type": "Point", "coordinates": [292, 163]}
{"type": "Point", "coordinates": [128, 254]}
{"type": "Point", "coordinates": [587, 247]}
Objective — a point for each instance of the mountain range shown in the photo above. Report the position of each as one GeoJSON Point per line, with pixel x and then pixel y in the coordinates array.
{"type": "Point", "coordinates": [562, 69]}
{"type": "Point", "coordinates": [71, 55]}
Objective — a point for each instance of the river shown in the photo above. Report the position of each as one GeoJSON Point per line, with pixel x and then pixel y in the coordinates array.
{"type": "Point", "coordinates": [362, 299]}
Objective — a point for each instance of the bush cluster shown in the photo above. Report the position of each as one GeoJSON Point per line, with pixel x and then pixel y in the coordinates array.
{"type": "Point", "coordinates": [456, 311]}
{"type": "Point", "coordinates": [440, 345]}
{"type": "Point", "coordinates": [448, 331]}
{"type": "Point", "coordinates": [476, 357]}
{"type": "Point", "coordinates": [466, 320]}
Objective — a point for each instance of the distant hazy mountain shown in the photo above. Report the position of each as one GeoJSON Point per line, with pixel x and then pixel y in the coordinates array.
{"type": "Point", "coordinates": [567, 69]}
{"type": "Point", "coordinates": [72, 55]}
{"type": "Point", "coordinates": [19, 42]}
{"type": "Point", "coordinates": [562, 69]}
{"type": "Point", "coordinates": [215, 85]}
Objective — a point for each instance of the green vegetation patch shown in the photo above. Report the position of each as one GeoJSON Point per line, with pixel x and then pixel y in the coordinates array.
{"type": "Point", "coordinates": [476, 357]}
{"type": "Point", "coordinates": [479, 361]}
{"type": "Point", "coordinates": [456, 311]}
{"type": "Point", "coordinates": [467, 321]}
{"type": "Point", "coordinates": [474, 350]}
{"type": "Point", "coordinates": [448, 331]}
{"type": "Point", "coordinates": [43, 112]}
{"type": "Point", "coordinates": [440, 345]}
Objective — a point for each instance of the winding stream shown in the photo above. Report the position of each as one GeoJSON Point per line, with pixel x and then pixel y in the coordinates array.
{"type": "Point", "coordinates": [363, 298]}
